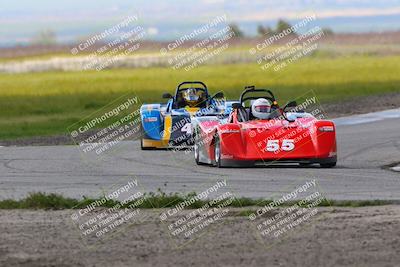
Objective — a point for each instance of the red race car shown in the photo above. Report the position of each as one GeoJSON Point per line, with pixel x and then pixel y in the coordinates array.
{"type": "Point", "coordinates": [263, 133]}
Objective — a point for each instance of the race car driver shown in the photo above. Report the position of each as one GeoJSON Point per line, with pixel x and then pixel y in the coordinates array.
{"type": "Point", "coordinates": [192, 99]}
{"type": "Point", "coordinates": [261, 109]}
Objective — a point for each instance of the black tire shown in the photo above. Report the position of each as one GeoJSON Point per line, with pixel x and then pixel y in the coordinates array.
{"type": "Point", "coordinates": [196, 149]}
{"type": "Point", "coordinates": [217, 152]}
{"type": "Point", "coordinates": [328, 165]}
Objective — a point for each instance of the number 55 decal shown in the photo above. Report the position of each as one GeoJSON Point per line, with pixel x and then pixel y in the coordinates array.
{"type": "Point", "coordinates": [273, 145]}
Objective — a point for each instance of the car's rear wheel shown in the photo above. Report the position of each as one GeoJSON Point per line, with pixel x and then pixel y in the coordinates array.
{"type": "Point", "coordinates": [328, 165]}
{"type": "Point", "coordinates": [196, 147]}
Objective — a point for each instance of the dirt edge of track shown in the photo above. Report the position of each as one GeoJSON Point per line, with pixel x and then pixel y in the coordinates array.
{"type": "Point", "coordinates": [365, 236]}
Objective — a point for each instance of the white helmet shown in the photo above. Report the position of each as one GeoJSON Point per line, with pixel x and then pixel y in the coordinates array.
{"type": "Point", "coordinates": [261, 108]}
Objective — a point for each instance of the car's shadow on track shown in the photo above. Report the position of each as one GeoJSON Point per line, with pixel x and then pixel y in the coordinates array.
{"type": "Point", "coordinates": [284, 166]}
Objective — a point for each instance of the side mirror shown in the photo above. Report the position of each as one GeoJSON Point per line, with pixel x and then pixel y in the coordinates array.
{"type": "Point", "coordinates": [236, 105]}
{"type": "Point", "coordinates": [291, 104]}
{"type": "Point", "coordinates": [218, 95]}
{"type": "Point", "coordinates": [167, 95]}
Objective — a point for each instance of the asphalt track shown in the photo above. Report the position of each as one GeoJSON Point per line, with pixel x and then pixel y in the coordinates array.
{"type": "Point", "coordinates": [366, 144]}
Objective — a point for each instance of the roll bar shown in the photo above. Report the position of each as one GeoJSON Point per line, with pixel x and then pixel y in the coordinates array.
{"type": "Point", "coordinates": [252, 89]}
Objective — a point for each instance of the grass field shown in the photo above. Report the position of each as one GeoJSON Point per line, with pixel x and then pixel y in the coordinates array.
{"type": "Point", "coordinates": [47, 103]}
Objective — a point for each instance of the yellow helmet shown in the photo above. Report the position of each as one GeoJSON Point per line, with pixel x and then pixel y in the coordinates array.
{"type": "Point", "coordinates": [191, 97]}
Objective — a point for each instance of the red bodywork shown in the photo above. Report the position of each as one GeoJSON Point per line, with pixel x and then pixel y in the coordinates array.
{"type": "Point", "coordinates": [306, 140]}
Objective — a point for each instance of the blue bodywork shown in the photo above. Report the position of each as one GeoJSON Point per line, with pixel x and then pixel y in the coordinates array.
{"type": "Point", "coordinates": [165, 126]}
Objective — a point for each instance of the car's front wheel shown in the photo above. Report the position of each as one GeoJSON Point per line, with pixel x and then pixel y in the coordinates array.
{"type": "Point", "coordinates": [217, 152]}
{"type": "Point", "coordinates": [196, 148]}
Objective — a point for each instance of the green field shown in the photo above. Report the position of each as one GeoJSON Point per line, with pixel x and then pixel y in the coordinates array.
{"type": "Point", "coordinates": [47, 103]}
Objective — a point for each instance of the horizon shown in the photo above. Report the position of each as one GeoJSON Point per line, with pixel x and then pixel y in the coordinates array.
{"type": "Point", "coordinates": [163, 21]}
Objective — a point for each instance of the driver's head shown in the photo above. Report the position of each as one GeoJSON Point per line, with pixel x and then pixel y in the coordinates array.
{"type": "Point", "coordinates": [191, 97]}
{"type": "Point", "coordinates": [261, 108]}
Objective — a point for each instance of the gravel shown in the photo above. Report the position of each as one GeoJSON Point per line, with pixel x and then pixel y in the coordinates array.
{"type": "Point", "coordinates": [366, 236]}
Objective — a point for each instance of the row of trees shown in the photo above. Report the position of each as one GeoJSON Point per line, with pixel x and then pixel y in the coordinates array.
{"type": "Point", "coordinates": [266, 30]}
{"type": "Point", "coordinates": [280, 27]}
{"type": "Point", "coordinates": [48, 37]}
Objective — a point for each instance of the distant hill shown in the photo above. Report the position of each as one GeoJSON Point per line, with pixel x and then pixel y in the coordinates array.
{"type": "Point", "coordinates": [72, 20]}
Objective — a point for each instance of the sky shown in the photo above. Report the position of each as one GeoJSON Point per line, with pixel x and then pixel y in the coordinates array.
{"type": "Point", "coordinates": [20, 20]}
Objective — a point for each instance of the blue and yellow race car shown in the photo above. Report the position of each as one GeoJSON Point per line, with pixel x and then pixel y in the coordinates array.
{"type": "Point", "coordinates": [169, 124]}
